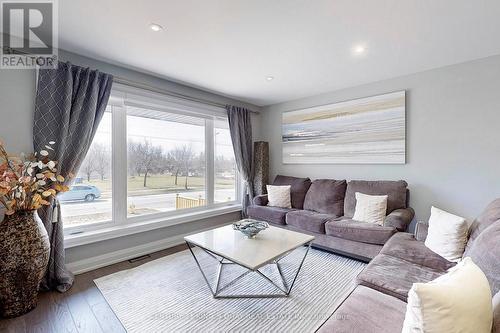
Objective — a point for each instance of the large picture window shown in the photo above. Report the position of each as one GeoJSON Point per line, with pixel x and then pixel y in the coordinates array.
{"type": "Point", "coordinates": [152, 157]}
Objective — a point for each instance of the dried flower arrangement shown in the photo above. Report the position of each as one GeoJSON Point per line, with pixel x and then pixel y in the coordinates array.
{"type": "Point", "coordinates": [28, 183]}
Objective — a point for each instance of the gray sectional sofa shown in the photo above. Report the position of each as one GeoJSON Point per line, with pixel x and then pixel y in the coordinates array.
{"type": "Point", "coordinates": [378, 304]}
{"type": "Point", "coordinates": [325, 207]}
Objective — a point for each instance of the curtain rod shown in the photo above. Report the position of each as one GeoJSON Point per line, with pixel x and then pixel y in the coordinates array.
{"type": "Point", "coordinates": [134, 84]}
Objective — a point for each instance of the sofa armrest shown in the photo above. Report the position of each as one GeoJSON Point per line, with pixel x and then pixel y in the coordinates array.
{"type": "Point", "coordinates": [421, 230]}
{"type": "Point", "coordinates": [400, 218]}
{"type": "Point", "coordinates": [260, 200]}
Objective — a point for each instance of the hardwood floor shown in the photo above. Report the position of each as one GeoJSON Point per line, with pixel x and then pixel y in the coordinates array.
{"type": "Point", "coordinates": [81, 309]}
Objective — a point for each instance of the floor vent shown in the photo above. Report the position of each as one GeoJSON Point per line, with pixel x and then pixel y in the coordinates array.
{"type": "Point", "coordinates": [139, 258]}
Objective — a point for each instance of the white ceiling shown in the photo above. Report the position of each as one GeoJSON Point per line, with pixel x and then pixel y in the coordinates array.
{"type": "Point", "coordinates": [229, 46]}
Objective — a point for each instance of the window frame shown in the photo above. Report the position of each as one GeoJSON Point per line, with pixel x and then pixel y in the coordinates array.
{"type": "Point", "coordinates": [123, 96]}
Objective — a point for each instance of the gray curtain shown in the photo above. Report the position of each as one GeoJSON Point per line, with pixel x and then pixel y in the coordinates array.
{"type": "Point", "coordinates": [69, 105]}
{"type": "Point", "coordinates": [240, 127]}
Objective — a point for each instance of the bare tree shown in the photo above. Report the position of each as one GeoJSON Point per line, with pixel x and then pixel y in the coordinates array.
{"type": "Point", "coordinates": [134, 158]}
{"type": "Point", "coordinates": [101, 159]}
{"type": "Point", "coordinates": [224, 165]}
{"type": "Point", "coordinates": [198, 165]}
{"type": "Point", "coordinates": [181, 159]}
{"type": "Point", "coordinates": [88, 166]}
{"type": "Point", "coordinates": [145, 158]}
{"type": "Point", "coordinates": [164, 164]}
{"type": "Point", "coordinates": [188, 160]}
{"type": "Point", "coordinates": [176, 157]}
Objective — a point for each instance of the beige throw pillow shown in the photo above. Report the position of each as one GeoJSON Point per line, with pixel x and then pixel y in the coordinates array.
{"type": "Point", "coordinates": [458, 301]}
{"type": "Point", "coordinates": [370, 208]}
{"type": "Point", "coordinates": [447, 234]}
{"type": "Point", "coordinates": [279, 196]}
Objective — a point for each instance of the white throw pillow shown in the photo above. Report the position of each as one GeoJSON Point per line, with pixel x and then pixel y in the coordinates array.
{"type": "Point", "coordinates": [458, 301]}
{"type": "Point", "coordinates": [447, 234]}
{"type": "Point", "coordinates": [279, 196]}
{"type": "Point", "coordinates": [370, 208]}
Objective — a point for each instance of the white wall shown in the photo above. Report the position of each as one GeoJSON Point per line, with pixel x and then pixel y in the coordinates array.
{"type": "Point", "coordinates": [17, 95]}
{"type": "Point", "coordinates": [453, 137]}
{"type": "Point", "coordinates": [17, 100]}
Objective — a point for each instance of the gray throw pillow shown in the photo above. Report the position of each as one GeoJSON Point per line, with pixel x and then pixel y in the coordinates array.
{"type": "Point", "coordinates": [326, 196]}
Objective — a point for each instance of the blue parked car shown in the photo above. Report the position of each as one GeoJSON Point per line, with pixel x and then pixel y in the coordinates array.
{"type": "Point", "coordinates": [80, 192]}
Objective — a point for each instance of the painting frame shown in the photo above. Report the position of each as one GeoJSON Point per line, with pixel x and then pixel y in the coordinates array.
{"type": "Point", "coordinates": [366, 130]}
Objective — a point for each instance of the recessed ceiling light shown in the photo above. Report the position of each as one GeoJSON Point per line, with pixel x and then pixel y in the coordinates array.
{"type": "Point", "coordinates": [155, 27]}
{"type": "Point", "coordinates": [269, 78]}
{"type": "Point", "coordinates": [359, 49]}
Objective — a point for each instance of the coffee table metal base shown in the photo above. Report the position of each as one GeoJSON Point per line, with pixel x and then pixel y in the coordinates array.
{"type": "Point", "coordinates": [222, 261]}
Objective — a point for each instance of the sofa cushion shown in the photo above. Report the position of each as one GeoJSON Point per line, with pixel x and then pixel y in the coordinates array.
{"type": "Point", "coordinates": [267, 213]}
{"type": "Point", "coordinates": [359, 231]}
{"type": "Point", "coordinates": [404, 246]}
{"type": "Point", "coordinates": [395, 191]}
{"type": "Point", "coordinates": [298, 190]}
{"type": "Point", "coordinates": [367, 310]}
{"type": "Point", "coordinates": [485, 252]}
{"type": "Point", "coordinates": [490, 215]}
{"type": "Point", "coordinates": [308, 220]}
{"type": "Point", "coordinates": [394, 276]}
{"type": "Point", "coordinates": [326, 196]}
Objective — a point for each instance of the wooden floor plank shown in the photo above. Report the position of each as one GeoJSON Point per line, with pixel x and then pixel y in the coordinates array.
{"type": "Point", "coordinates": [107, 318]}
{"type": "Point", "coordinates": [37, 319]}
{"type": "Point", "coordinates": [15, 325]}
{"type": "Point", "coordinates": [81, 312]}
{"type": "Point", "coordinates": [62, 318]}
{"type": "Point", "coordinates": [102, 311]}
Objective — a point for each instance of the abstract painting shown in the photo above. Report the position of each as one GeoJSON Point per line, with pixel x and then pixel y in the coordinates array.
{"type": "Point", "coordinates": [369, 130]}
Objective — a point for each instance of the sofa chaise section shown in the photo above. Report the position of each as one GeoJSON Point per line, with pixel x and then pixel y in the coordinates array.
{"type": "Point", "coordinates": [378, 304]}
{"type": "Point", "coordinates": [406, 247]}
{"type": "Point", "coordinates": [394, 276]}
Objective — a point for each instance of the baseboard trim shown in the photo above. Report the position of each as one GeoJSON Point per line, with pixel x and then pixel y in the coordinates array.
{"type": "Point", "coordinates": [89, 264]}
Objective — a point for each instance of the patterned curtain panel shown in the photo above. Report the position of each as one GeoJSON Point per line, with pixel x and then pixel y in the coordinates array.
{"type": "Point", "coordinates": [240, 127]}
{"type": "Point", "coordinates": [69, 105]}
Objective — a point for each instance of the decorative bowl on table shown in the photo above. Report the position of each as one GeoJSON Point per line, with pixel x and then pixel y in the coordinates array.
{"type": "Point", "coordinates": [250, 228]}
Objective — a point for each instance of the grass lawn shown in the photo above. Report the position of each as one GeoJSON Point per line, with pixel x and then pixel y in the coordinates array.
{"type": "Point", "coordinates": [162, 183]}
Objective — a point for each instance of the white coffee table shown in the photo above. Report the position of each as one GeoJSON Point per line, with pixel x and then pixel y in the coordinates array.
{"type": "Point", "coordinates": [230, 247]}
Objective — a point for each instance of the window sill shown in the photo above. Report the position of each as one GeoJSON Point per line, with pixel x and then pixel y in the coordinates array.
{"type": "Point", "coordinates": [117, 231]}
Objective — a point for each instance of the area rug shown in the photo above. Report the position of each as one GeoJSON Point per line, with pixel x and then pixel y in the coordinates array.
{"type": "Point", "coordinates": [170, 294]}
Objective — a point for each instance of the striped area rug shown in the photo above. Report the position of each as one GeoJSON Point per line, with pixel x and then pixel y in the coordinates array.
{"type": "Point", "coordinates": [170, 295]}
